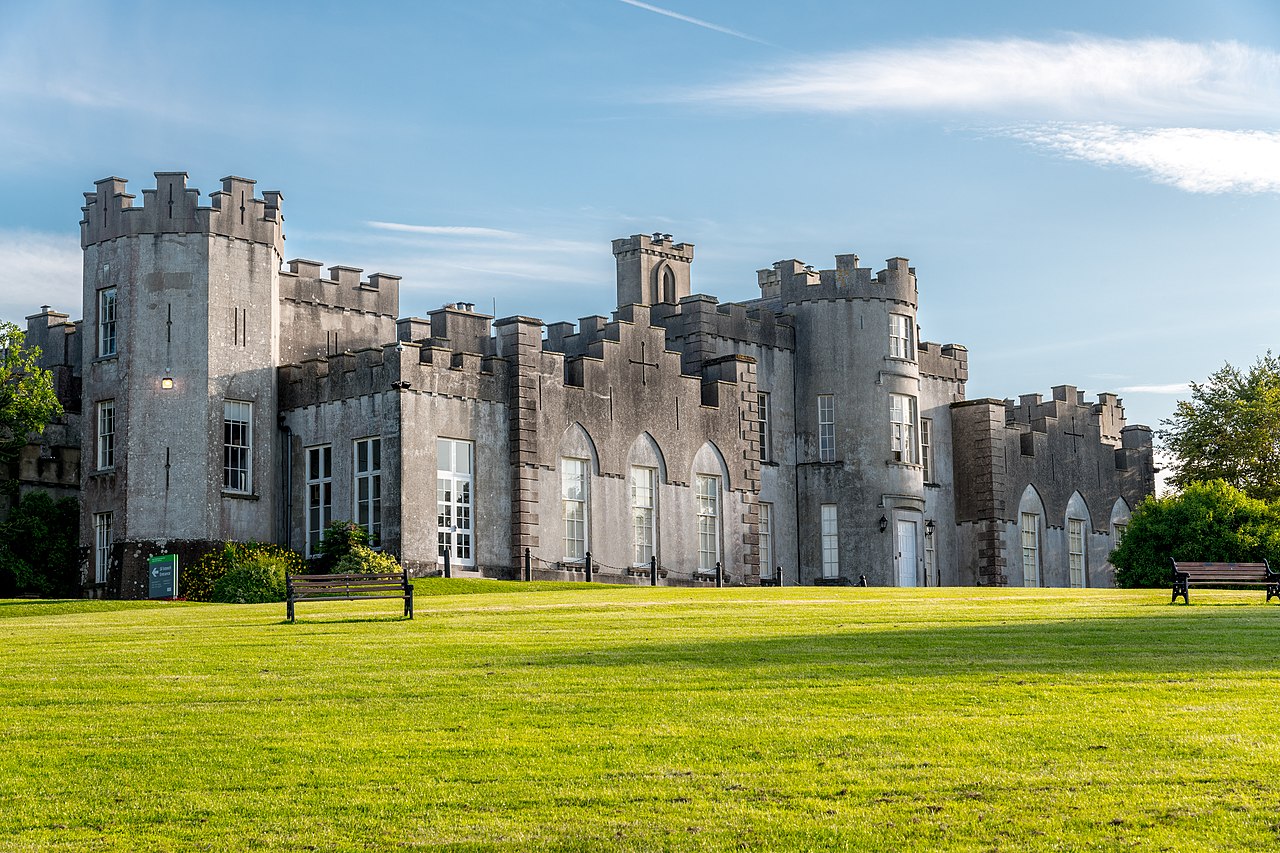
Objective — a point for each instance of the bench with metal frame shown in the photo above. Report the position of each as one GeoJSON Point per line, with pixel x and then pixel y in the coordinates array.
{"type": "Point", "coordinates": [1221, 575]}
{"type": "Point", "coordinates": [350, 587]}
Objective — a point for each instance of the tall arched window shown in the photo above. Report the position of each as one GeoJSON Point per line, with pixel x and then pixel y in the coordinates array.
{"type": "Point", "coordinates": [1078, 525]}
{"type": "Point", "coordinates": [1030, 522]}
{"type": "Point", "coordinates": [668, 285]}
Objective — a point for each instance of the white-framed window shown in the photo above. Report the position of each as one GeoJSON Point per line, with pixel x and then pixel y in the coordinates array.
{"type": "Point", "coordinates": [1075, 551]}
{"type": "Point", "coordinates": [826, 428]}
{"type": "Point", "coordinates": [902, 341]}
{"type": "Point", "coordinates": [237, 446]}
{"type": "Point", "coordinates": [766, 428]}
{"type": "Point", "coordinates": [766, 540]}
{"type": "Point", "coordinates": [926, 449]}
{"type": "Point", "coordinates": [1030, 528]}
{"type": "Point", "coordinates": [106, 322]}
{"type": "Point", "coordinates": [574, 494]}
{"type": "Point", "coordinates": [319, 495]}
{"type": "Point", "coordinates": [708, 522]}
{"type": "Point", "coordinates": [644, 511]}
{"type": "Point", "coordinates": [1119, 530]}
{"type": "Point", "coordinates": [930, 559]}
{"type": "Point", "coordinates": [101, 546]}
{"type": "Point", "coordinates": [368, 487]}
{"type": "Point", "coordinates": [902, 420]}
{"type": "Point", "coordinates": [106, 435]}
{"type": "Point", "coordinates": [830, 542]}
{"type": "Point", "coordinates": [455, 490]}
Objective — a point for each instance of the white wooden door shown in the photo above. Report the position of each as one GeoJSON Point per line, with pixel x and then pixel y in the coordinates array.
{"type": "Point", "coordinates": [906, 555]}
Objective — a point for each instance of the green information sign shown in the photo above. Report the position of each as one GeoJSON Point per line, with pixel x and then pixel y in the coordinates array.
{"type": "Point", "coordinates": [162, 576]}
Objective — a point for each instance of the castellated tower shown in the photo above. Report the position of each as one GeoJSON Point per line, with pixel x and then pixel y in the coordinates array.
{"type": "Point", "coordinates": [860, 464]}
{"type": "Point", "coordinates": [652, 270]}
{"type": "Point", "coordinates": [181, 345]}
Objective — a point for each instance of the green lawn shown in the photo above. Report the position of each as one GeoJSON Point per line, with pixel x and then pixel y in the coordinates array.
{"type": "Point", "coordinates": [567, 717]}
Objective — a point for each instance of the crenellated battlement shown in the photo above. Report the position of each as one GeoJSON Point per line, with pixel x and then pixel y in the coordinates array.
{"type": "Point", "coordinates": [943, 361]}
{"type": "Point", "coordinates": [793, 281]}
{"type": "Point", "coordinates": [343, 288]}
{"type": "Point", "coordinates": [1032, 413]}
{"type": "Point", "coordinates": [172, 207]}
{"type": "Point", "coordinates": [400, 367]}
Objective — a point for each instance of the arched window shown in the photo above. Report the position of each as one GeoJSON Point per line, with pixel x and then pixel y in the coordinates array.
{"type": "Point", "coordinates": [1030, 523]}
{"type": "Point", "coordinates": [668, 285]}
{"type": "Point", "coordinates": [1078, 541]}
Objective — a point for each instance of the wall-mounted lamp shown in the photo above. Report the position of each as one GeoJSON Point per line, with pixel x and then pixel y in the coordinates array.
{"type": "Point", "coordinates": [884, 524]}
{"type": "Point", "coordinates": [928, 527]}
{"type": "Point", "coordinates": [166, 383]}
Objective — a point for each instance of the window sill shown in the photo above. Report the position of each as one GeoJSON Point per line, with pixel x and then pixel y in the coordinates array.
{"type": "Point", "coordinates": [898, 359]}
{"type": "Point", "coordinates": [101, 358]}
{"type": "Point", "coordinates": [241, 496]}
{"type": "Point", "coordinates": [899, 464]}
{"type": "Point", "coordinates": [103, 472]}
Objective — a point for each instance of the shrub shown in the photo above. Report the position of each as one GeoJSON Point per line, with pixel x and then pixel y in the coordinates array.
{"type": "Point", "coordinates": [199, 580]}
{"type": "Point", "coordinates": [339, 540]}
{"type": "Point", "coordinates": [365, 559]}
{"type": "Point", "coordinates": [40, 549]}
{"type": "Point", "coordinates": [1205, 521]}
{"type": "Point", "coordinates": [257, 580]}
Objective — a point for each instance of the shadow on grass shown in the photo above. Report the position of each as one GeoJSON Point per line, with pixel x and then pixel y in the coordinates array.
{"type": "Point", "coordinates": [1197, 643]}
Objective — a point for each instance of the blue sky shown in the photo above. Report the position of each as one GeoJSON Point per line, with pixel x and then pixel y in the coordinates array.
{"type": "Point", "coordinates": [1090, 191]}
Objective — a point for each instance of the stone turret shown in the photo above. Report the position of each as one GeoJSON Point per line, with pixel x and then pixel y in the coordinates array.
{"type": "Point", "coordinates": [652, 269]}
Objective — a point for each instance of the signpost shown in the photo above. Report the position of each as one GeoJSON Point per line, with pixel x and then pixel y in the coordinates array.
{"type": "Point", "coordinates": [162, 576]}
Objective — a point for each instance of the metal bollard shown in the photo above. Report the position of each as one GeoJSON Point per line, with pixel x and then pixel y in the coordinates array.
{"type": "Point", "coordinates": [528, 566]}
{"type": "Point", "coordinates": [862, 580]}
{"type": "Point", "coordinates": [719, 576]}
{"type": "Point", "coordinates": [587, 565]}
{"type": "Point", "coordinates": [653, 570]}
{"type": "Point", "coordinates": [447, 572]}
{"type": "Point", "coordinates": [779, 576]}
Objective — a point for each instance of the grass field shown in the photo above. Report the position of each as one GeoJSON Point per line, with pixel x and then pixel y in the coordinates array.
{"type": "Point", "coordinates": [567, 717]}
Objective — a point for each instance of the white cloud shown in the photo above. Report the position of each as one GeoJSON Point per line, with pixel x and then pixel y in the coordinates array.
{"type": "Point", "coordinates": [1189, 158]}
{"type": "Point", "coordinates": [1171, 388]}
{"type": "Point", "coordinates": [39, 269]}
{"type": "Point", "coordinates": [698, 22]}
{"type": "Point", "coordinates": [1081, 78]}
{"type": "Point", "coordinates": [444, 230]}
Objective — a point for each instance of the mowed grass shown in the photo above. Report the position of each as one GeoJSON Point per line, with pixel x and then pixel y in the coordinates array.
{"type": "Point", "coordinates": [567, 717]}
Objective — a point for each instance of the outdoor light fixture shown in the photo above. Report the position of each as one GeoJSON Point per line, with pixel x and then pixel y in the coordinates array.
{"type": "Point", "coordinates": [166, 383]}
{"type": "Point", "coordinates": [884, 524]}
{"type": "Point", "coordinates": [928, 527]}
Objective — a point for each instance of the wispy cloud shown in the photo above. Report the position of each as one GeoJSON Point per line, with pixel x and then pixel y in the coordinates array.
{"type": "Point", "coordinates": [1192, 159]}
{"type": "Point", "coordinates": [697, 22]}
{"type": "Point", "coordinates": [1082, 78]}
{"type": "Point", "coordinates": [1171, 388]}
{"type": "Point", "coordinates": [46, 270]}
{"type": "Point", "coordinates": [445, 230]}
{"type": "Point", "coordinates": [1199, 117]}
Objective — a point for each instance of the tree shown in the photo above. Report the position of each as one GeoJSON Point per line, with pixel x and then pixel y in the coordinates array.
{"type": "Point", "coordinates": [40, 548]}
{"type": "Point", "coordinates": [1229, 430]}
{"type": "Point", "coordinates": [1213, 522]}
{"type": "Point", "coordinates": [27, 399]}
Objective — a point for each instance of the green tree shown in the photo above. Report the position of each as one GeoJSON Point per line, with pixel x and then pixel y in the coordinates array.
{"type": "Point", "coordinates": [1205, 521]}
{"type": "Point", "coordinates": [27, 399]}
{"type": "Point", "coordinates": [1229, 430]}
{"type": "Point", "coordinates": [40, 549]}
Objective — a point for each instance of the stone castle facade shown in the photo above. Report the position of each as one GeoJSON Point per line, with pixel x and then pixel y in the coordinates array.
{"type": "Point", "coordinates": [216, 391]}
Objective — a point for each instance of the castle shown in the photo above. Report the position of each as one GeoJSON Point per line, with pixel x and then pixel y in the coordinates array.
{"type": "Point", "coordinates": [216, 392]}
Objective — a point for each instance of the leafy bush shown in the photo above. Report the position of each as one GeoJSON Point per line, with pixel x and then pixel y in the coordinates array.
{"type": "Point", "coordinates": [40, 549]}
{"type": "Point", "coordinates": [257, 580]}
{"type": "Point", "coordinates": [339, 540]}
{"type": "Point", "coordinates": [199, 580]}
{"type": "Point", "coordinates": [364, 559]}
{"type": "Point", "coordinates": [1210, 521]}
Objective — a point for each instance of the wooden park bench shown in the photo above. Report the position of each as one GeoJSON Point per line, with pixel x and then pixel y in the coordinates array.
{"type": "Point", "coordinates": [352, 587]}
{"type": "Point", "coordinates": [1223, 575]}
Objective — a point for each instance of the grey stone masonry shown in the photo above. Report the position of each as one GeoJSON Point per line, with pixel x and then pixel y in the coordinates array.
{"type": "Point", "coordinates": [808, 435]}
